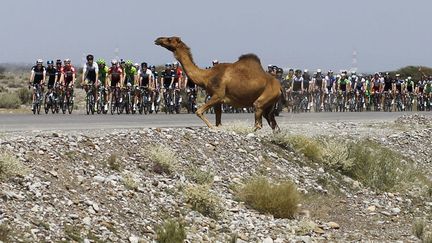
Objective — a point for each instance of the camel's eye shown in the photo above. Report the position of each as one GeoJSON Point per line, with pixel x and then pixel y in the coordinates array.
{"type": "Point", "coordinates": [169, 39]}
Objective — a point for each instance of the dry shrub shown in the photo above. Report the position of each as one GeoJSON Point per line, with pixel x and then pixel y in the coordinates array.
{"type": "Point", "coordinates": [203, 200]}
{"type": "Point", "coordinates": [114, 163]}
{"type": "Point", "coordinates": [10, 166]}
{"type": "Point", "coordinates": [164, 159]}
{"type": "Point", "coordinates": [200, 176]}
{"type": "Point", "coordinates": [309, 147]}
{"type": "Point", "coordinates": [281, 200]}
{"type": "Point", "coordinates": [171, 231]}
{"type": "Point", "coordinates": [9, 101]}
{"type": "Point", "coordinates": [25, 95]}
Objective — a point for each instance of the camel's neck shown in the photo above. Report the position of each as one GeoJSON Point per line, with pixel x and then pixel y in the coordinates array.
{"type": "Point", "coordinates": [197, 75]}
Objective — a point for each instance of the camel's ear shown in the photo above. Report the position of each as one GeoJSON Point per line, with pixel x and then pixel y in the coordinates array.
{"type": "Point", "coordinates": [176, 39]}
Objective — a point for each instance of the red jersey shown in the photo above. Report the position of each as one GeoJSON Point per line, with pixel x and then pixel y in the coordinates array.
{"type": "Point", "coordinates": [68, 72]}
{"type": "Point", "coordinates": [115, 73]}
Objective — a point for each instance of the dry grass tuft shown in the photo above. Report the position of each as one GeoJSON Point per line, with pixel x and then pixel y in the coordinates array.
{"type": "Point", "coordinates": [10, 166]}
{"type": "Point", "coordinates": [114, 163]}
{"type": "Point", "coordinates": [203, 200]}
{"type": "Point", "coordinates": [281, 200]}
{"type": "Point", "coordinates": [171, 232]}
{"type": "Point", "coordinates": [164, 159]}
{"type": "Point", "coordinates": [309, 147]}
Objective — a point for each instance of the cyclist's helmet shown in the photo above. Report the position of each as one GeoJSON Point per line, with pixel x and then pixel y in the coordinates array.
{"type": "Point", "coordinates": [114, 62]}
{"type": "Point", "coordinates": [90, 57]}
{"type": "Point", "coordinates": [129, 63]}
{"type": "Point", "coordinates": [100, 61]}
{"type": "Point", "coordinates": [318, 70]}
{"type": "Point", "coordinates": [67, 61]}
{"type": "Point", "coordinates": [144, 64]}
{"type": "Point", "coordinates": [214, 62]}
{"type": "Point", "coordinates": [39, 61]}
{"type": "Point", "coordinates": [58, 62]}
{"type": "Point", "coordinates": [136, 65]}
{"type": "Point", "coordinates": [50, 62]}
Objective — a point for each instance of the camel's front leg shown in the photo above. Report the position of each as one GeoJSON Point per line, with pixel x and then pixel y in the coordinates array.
{"type": "Point", "coordinates": [211, 102]}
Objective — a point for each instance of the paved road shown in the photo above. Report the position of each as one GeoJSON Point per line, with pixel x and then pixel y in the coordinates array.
{"type": "Point", "coordinates": [25, 122]}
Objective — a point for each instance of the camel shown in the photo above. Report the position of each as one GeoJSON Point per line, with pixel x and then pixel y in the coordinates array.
{"type": "Point", "coordinates": [243, 83]}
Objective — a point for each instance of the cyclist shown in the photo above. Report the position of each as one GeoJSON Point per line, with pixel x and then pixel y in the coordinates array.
{"type": "Point", "coordinates": [59, 68]}
{"type": "Point", "coordinates": [51, 74]}
{"type": "Point", "coordinates": [377, 84]}
{"type": "Point", "coordinates": [398, 88]}
{"type": "Point", "coordinates": [90, 75]}
{"type": "Point", "coordinates": [130, 73]}
{"type": "Point", "coordinates": [167, 78]}
{"type": "Point", "coordinates": [37, 77]}
{"type": "Point", "coordinates": [368, 91]}
{"type": "Point", "coordinates": [297, 85]}
{"type": "Point", "coordinates": [359, 87]}
{"type": "Point", "coordinates": [318, 85]}
{"type": "Point", "coordinates": [145, 79]}
{"type": "Point", "coordinates": [114, 78]}
{"type": "Point", "coordinates": [419, 90]}
{"type": "Point", "coordinates": [102, 75]}
{"type": "Point", "coordinates": [344, 85]}
{"type": "Point", "coordinates": [387, 87]}
{"type": "Point", "coordinates": [330, 81]}
{"type": "Point", "coordinates": [428, 92]}
{"type": "Point", "coordinates": [307, 87]}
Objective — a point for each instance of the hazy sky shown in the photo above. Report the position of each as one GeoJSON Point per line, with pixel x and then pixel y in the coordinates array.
{"type": "Point", "coordinates": [387, 34]}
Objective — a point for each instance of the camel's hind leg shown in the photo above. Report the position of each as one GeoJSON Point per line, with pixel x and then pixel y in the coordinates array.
{"type": "Point", "coordinates": [264, 105]}
{"type": "Point", "coordinates": [211, 102]}
{"type": "Point", "coordinates": [218, 113]}
{"type": "Point", "coordinates": [270, 117]}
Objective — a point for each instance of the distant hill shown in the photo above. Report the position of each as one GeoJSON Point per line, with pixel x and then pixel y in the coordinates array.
{"type": "Point", "coordinates": [413, 71]}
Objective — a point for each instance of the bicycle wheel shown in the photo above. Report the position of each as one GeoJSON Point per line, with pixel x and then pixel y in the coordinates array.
{"type": "Point", "coordinates": [70, 105]}
{"type": "Point", "coordinates": [46, 104]}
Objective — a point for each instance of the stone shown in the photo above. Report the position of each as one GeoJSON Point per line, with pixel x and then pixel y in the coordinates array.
{"type": "Point", "coordinates": [371, 208]}
{"type": "Point", "coordinates": [268, 240]}
{"type": "Point", "coordinates": [134, 239]}
{"type": "Point", "coordinates": [333, 225]}
{"type": "Point", "coordinates": [395, 211]}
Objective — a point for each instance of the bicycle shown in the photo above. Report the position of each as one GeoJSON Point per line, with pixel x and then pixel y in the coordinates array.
{"type": "Point", "coordinates": [317, 101]}
{"type": "Point", "coordinates": [126, 100]}
{"type": "Point", "coordinates": [329, 102]}
{"type": "Point", "coordinates": [420, 102]}
{"type": "Point", "coordinates": [352, 101]}
{"type": "Point", "coordinates": [360, 100]}
{"type": "Point", "coordinates": [37, 101]}
{"type": "Point", "coordinates": [101, 102]}
{"type": "Point", "coordinates": [145, 100]}
{"type": "Point", "coordinates": [90, 98]}
{"type": "Point", "coordinates": [387, 101]}
{"type": "Point", "coordinates": [399, 103]}
{"type": "Point", "coordinates": [341, 101]}
{"type": "Point", "coordinates": [49, 101]}
{"type": "Point", "coordinates": [409, 101]}
{"type": "Point", "coordinates": [168, 101]}
{"type": "Point", "coordinates": [191, 102]}
{"type": "Point", "coordinates": [156, 102]}
{"type": "Point", "coordinates": [68, 100]}
{"type": "Point", "coordinates": [115, 100]}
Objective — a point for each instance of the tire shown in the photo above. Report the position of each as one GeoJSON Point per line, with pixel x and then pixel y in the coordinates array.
{"type": "Point", "coordinates": [46, 104]}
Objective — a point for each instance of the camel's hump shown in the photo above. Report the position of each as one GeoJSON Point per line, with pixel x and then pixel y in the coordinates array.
{"type": "Point", "coordinates": [250, 56]}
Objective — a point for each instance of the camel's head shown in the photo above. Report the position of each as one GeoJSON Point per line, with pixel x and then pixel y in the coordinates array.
{"type": "Point", "coordinates": [170, 43]}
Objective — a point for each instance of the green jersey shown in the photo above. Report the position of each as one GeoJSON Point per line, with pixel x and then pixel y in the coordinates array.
{"type": "Point", "coordinates": [103, 73]}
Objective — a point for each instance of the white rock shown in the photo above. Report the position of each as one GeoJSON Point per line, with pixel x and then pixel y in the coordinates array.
{"type": "Point", "coordinates": [268, 240]}
{"type": "Point", "coordinates": [134, 239]}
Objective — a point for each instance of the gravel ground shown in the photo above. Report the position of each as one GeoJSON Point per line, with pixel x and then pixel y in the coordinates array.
{"type": "Point", "coordinates": [76, 191]}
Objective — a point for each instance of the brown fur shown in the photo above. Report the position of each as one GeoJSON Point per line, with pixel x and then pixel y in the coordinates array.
{"type": "Point", "coordinates": [242, 84]}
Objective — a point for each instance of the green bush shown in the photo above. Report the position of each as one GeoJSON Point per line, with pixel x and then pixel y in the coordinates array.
{"type": "Point", "coordinates": [171, 232]}
{"type": "Point", "coordinates": [281, 200]}
{"type": "Point", "coordinates": [114, 163]}
{"type": "Point", "coordinates": [9, 101]}
{"type": "Point", "coordinates": [25, 95]}
{"type": "Point", "coordinates": [203, 201]}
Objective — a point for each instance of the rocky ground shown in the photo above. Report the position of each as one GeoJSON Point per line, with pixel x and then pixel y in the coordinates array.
{"type": "Point", "coordinates": [102, 186]}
